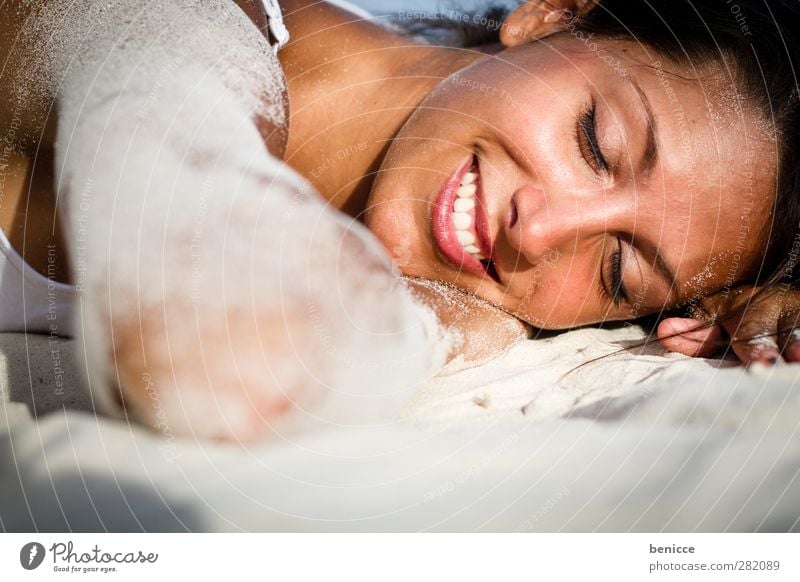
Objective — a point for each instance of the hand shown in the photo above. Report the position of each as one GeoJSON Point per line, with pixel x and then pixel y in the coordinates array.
{"type": "Point", "coordinates": [762, 328]}
{"type": "Point", "coordinates": [537, 19]}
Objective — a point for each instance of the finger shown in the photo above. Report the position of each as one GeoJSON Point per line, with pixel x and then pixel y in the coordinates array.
{"type": "Point", "coordinates": [690, 337]}
{"type": "Point", "coordinates": [585, 6]}
{"type": "Point", "coordinates": [531, 21]}
{"type": "Point", "coordinates": [791, 352]}
{"type": "Point", "coordinates": [753, 339]}
{"type": "Point", "coordinates": [790, 336]}
{"type": "Point", "coordinates": [551, 22]}
{"type": "Point", "coordinates": [763, 350]}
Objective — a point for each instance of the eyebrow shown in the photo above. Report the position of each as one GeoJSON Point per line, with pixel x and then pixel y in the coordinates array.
{"type": "Point", "coordinates": [651, 149]}
{"type": "Point", "coordinates": [648, 163]}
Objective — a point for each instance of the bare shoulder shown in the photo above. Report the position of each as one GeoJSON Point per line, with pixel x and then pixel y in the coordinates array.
{"type": "Point", "coordinates": [322, 31]}
{"type": "Point", "coordinates": [23, 119]}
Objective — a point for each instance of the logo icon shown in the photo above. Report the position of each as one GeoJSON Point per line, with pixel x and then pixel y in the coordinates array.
{"type": "Point", "coordinates": [31, 555]}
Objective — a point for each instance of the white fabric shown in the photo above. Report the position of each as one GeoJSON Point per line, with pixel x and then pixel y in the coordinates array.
{"type": "Point", "coordinates": [276, 26]}
{"type": "Point", "coordinates": [698, 448]}
{"type": "Point", "coordinates": [29, 301]}
{"type": "Point", "coordinates": [651, 442]}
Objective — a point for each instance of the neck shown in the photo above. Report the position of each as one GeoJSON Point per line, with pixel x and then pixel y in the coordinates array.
{"type": "Point", "coordinates": [352, 86]}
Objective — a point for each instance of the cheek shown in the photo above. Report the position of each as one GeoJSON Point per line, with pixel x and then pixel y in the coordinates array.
{"type": "Point", "coordinates": [490, 93]}
{"type": "Point", "coordinates": [382, 220]}
{"type": "Point", "coordinates": [394, 226]}
{"type": "Point", "coordinates": [537, 297]}
{"type": "Point", "coordinates": [557, 294]}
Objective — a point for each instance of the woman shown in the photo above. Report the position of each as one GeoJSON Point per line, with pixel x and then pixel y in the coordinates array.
{"type": "Point", "coordinates": [615, 169]}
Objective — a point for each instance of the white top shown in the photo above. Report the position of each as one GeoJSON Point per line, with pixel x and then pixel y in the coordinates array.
{"type": "Point", "coordinates": [278, 29]}
{"type": "Point", "coordinates": [29, 301]}
{"type": "Point", "coordinates": [276, 26]}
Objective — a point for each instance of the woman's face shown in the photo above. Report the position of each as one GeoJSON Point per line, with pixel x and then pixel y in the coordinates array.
{"type": "Point", "coordinates": [604, 187]}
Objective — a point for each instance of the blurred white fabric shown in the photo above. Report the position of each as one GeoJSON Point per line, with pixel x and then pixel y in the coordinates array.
{"type": "Point", "coordinates": [528, 441]}
{"type": "Point", "coordinates": [693, 448]}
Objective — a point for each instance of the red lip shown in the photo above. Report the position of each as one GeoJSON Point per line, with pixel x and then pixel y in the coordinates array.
{"type": "Point", "coordinates": [442, 226]}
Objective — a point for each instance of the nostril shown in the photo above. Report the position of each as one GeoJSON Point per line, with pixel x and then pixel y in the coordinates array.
{"type": "Point", "coordinates": [513, 214]}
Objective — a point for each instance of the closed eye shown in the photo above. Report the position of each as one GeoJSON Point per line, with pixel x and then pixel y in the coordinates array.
{"type": "Point", "coordinates": [587, 140]}
{"type": "Point", "coordinates": [618, 293]}
{"type": "Point", "coordinates": [590, 150]}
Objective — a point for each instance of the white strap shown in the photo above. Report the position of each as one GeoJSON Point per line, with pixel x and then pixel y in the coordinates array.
{"type": "Point", "coordinates": [276, 26]}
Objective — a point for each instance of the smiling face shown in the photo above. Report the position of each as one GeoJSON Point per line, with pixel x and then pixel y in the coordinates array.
{"type": "Point", "coordinates": [604, 186]}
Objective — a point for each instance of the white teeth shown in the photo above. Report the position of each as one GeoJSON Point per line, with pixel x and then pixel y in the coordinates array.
{"type": "Point", "coordinates": [465, 237]}
{"type": "Point", "coordinates": [467, 190]}
{"type": "Point", "coordinates": [462, 220]}
{"type": "Point", "coordinates": [463, 204]}
{"type": "Point", "coordinates": [463, 215]}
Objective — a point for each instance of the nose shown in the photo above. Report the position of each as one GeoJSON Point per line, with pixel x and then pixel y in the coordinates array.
{"type": "Point", "coordinates": [538, 225]}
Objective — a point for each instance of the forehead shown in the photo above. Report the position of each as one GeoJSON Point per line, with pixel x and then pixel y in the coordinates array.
{"type": "Point", "coordinates": [711, 190]}
{"type": "Point", "coordinates": [715, 176]}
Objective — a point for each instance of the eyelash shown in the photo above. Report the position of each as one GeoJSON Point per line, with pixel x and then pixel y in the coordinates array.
{"type": "Point", "coordinates": [587, 140]}
{"type": "Point", "coordinates": [618, 293]}
{"type": "Point", "coordinates": [590, 150]}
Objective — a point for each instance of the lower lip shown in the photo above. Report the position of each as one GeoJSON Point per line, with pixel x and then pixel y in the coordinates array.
{"type": "Point", "coordinates": [443, 232]}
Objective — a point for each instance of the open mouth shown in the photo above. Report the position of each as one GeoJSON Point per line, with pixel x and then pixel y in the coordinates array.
{"type": "Point", "coordinates": [460, 222]}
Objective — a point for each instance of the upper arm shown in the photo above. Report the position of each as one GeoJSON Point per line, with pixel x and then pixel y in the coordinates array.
{"type": "Point", "coordinates": [26, 104]}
